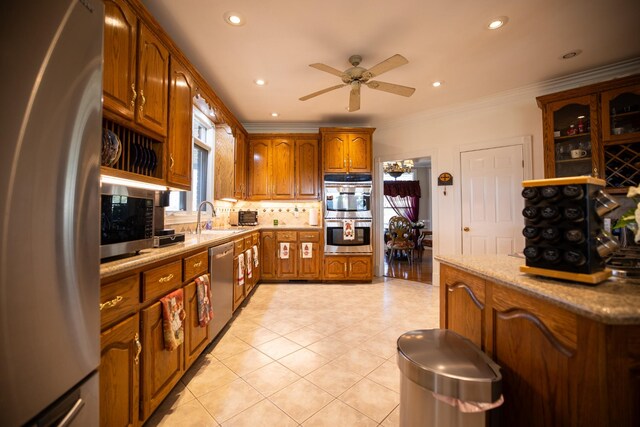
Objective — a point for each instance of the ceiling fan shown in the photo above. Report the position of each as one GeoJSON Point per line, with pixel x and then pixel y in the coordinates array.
{"type": "Point", "coordinates": [357, 76]}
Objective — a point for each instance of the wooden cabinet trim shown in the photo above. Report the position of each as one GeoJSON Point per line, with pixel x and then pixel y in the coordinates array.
{"type": "Point", "coordinates": [195, 265]}
{"type": "Point", "coordinates": [119, 299]}
{"type": "Point", "coordinates": [161, 280]}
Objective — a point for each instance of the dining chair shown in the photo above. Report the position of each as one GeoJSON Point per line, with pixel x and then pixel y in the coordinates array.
{"type": "Point", "coordinates": [401, 237]}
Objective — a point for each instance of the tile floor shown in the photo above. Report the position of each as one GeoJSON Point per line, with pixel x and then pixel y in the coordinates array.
{"type": "Point", "coordinates": [305, 355]}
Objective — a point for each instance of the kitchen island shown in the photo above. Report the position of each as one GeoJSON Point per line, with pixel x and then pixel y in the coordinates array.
{"type": "Point", "coordinates": [570, 353]}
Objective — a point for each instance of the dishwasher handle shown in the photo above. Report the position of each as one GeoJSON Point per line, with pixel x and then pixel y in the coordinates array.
{"type": "Point", "coordinates": [222, 255]}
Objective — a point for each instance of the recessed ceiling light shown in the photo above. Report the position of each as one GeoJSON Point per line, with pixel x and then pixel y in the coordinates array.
{"type": "Point", "coordinates": [571, 54]}
{"type": "Point", "coordinates": [234, 19]}
{"type": "Point", "coordinates": [437, 83]}
{"type": "Point", "coordinates": [274, 114]}
{"type": "Point", "coordinates": [498, 22]}
{"type": "Point", "coordinates": [260, 82]}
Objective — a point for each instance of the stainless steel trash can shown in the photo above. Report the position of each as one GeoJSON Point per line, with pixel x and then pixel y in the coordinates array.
{"type": "Point", "coordinates": [446, 381]}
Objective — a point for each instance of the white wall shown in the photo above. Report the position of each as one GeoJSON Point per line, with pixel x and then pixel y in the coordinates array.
{"type": "Point", "coordinates": [443, 134]}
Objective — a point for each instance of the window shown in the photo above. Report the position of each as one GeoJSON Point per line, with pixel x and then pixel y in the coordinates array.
{"type": "Point", "coordinates": [203, 138]}
{"type": "Point", "coordinates": [388, 211]}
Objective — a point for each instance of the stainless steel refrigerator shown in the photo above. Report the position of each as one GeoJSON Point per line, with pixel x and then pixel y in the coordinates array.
{"type": "Point", "coordinates": [50, 139]}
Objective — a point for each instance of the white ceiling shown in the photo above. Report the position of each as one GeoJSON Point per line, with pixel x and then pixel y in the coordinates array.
{"type": "Point", "coordinates": [443, 40]}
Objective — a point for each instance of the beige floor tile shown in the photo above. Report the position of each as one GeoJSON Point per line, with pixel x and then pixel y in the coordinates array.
{"type": "Point", "coordinates": [271, 378]}
{"type": "Point", "coordinates": [262, 414]}
{"type": "Point", "coordinates": [327, 326]}
{"type": "Point", "coordinates": [352, 336]}
{"type": "Point", "coordinates": [177, 397]}
{"type": "Point", "coordinates": [282, 327]}
{"type": "Point", "coordinates": [303, 361]}
{"type": "Point", "coordinates": [359, 361]}
{"type": "Point", "coordinates": [388, 375]}
{"type": "Point", "coordinates": [204, 377]}
{"type": "Point", "coordinates": [372, 399]}
{"type": "Point", "coordinates": [338, 413]}
{"type": "Point", "coordinates": [228, 346]}
{"type": "Point", "coordinates": [380, 345]}
{"type": "Point", "coordinates": [330, 347]}
{"type": "Point", "coordinates": [256, 336]}
{"type": "Point", "coordinates": [333, 379]}
{"type": "Point", "coordinates": [278, 347]}
{"type": "Point", "coordinates": [301, 400]}
{"type": "Point", "coordinates": [305, 336]}
{"type": "Point", "coordinates": [247, 361]}
{"type": "Point", "coordinates": [393, 419]}
{"type": "Point", "coordinates": [191, 414]}
{"type": "Point", "coordinates": [229, 400]}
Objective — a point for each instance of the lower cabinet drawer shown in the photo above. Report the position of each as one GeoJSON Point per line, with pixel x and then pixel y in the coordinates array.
{"type": "Point", "coordinates": [159, 281]}
{"type": "Point", "coordinates": [196, 265]}
{"type": "Point", "coordinates": [118, 300]}
{"type": "Point", "coordinates": [309, 236]}
{"type": "Point", "coordinates": [238, 247]}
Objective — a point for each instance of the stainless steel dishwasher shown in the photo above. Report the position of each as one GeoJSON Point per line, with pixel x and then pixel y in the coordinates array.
{"type": "Point", "coordinates": [221, 271]}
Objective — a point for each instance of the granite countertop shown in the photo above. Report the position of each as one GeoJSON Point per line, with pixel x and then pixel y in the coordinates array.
{"type": "Point", "coordinates": [614, 301]}
{"type": "Point", "coordinates": [208, 239]}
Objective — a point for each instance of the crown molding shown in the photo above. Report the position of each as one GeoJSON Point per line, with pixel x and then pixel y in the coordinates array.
{"type": "Point", "coordinates": [292, 127]}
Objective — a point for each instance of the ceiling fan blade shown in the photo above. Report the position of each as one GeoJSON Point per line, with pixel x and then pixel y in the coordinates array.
{"type": "Point", "coordinates": [327, 69]}
{"type": "Point", "coordinates": [320, 92]}
{"type": "Point", "coordinates": [354, 98]}
{"type": "Point", "coordinates": [387, 65]}
{"type": "Point", "coordinates": [391, 88]}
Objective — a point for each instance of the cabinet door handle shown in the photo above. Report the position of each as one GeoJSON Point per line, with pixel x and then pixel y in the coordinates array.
{"type": "Point", "coordinates": [144, 100]}
{"type": "Point", "coordinates": [172, 161]}
{"type": "Point", "coordinates": [139, 346]}
{"type": "Point", "coordinates": [112, 303]}
{"type": "Point", "coordinates": [197, 264]}
{"type": "Point", "coordinates": [466, 229]}
{"type": "Point", "coordinates": [595, 172]}
{"type": "Point", "coordinates": [166, 278]}
{"type": "Point", "coordinates": [135, 95]}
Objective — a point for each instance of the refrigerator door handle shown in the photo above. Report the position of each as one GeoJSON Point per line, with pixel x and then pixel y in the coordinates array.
{"type": "Point", "coordinates": [73, 412]}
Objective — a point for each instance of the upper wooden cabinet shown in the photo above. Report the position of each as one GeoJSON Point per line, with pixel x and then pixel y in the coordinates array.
{"type": "Point", "coordinates": [240, 169]}
{"type": "Point", "coordinates": [119, 68]}
{"type": "Point", "coordinates": [180, 125]}
{"type": "Point", "coordinates": [283, 167]}
{"type": "Point", "coordinates": [594, 130]}
{"type": "Point", "coordinates": [224, 163]}
{"type": "Point", "coordinates": [136, 69]}
{"type": "Point", "coordinates": [346, 150]}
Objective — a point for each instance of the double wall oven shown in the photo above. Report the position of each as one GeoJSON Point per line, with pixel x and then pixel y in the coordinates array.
{"type": "Point", "coordinates": [347, 214]}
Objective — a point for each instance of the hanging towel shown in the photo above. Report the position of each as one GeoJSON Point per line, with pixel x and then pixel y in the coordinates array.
{"type": "Point", "coordinates": [284, 250]}
{"type": "Point", "coordinates": [348, 229]}
{"type": "Point", "coordinates": [172, 319]}
{"type": "Point", "coordinates": [249, 264]}
{"type": "Point", "coordinates": [307, 250]}
{"type": "Point", "coordinates": [255, 256]}
{"type": "Point", "coordinates": [240, 270]}
{"type": "Point", "coordinates": [203, 290]}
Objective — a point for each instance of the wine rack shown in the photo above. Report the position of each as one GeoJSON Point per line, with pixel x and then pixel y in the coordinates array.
{"type": "Point", "coordinates": [622, 164]}
{"type": "Point", "coordinates": [141, 154]}
{"type": "Point", "coordinates": [563, 228]}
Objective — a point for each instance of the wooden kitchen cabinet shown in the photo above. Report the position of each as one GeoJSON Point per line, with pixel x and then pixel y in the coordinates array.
{"type": "Point", "coordinates": [283, 167]}
{"type": "Point", "coordinates": [558, 368]}
{"type": "Point", "coordinates": [346, 150]}
{"type": "Point", "coordinates": [348, 267]}
{"type": "Point", "coordinates": [161, 368]}
{"type": "Point", "coordinates": [240, 169]}
{"type": "Point", "coordinates": [238, 289]}
{"type": "Point", "coordinates": [309, 268]}
{"type": "Point", "coordinates": [180, 127]}
{"type": "Point", "coordinates": [196, 337]}
{"type": "Point", "coordinates": [119, 374]}
{"type": "Point", "coordinates": [594, 130]}
{"type": "Point", "coordinates": [287, 268]}
{"type": "Point", "coordinates": [119, 66]}
{"type": "Point", "coordinates": [268, 255]}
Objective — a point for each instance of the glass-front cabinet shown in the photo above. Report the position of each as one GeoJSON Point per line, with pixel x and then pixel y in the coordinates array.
{"type": "Point", "coordinates": [621, 114]}
{"type": "Point", "coordinates": [571, 143]}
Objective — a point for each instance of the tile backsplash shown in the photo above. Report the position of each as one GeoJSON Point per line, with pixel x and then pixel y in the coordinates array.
{"type": "Point", "coordinates": [288, 214]}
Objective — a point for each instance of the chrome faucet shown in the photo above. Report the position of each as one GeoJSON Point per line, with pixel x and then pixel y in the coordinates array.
{"type": "Point", "coordinates": [213, 210]}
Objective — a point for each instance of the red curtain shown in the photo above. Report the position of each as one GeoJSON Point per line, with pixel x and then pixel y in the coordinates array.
{"type": "Point", "coordinates": [403, 196]}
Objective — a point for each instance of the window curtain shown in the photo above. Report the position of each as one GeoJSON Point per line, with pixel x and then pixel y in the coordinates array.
{"type": "Point", "coordinates": [403, 196]}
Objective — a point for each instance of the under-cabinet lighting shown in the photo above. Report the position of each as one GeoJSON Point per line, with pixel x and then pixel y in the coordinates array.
{"type": "Point", "coordinates": [498, 23]}
{"type": "Point", "coordinates": [107, 179]}
{"type": "Point", "coordinates": [229, 199]}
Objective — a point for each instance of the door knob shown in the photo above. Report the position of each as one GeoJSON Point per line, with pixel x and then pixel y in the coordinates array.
{"type": "Point", "coordinates": [466, 229]}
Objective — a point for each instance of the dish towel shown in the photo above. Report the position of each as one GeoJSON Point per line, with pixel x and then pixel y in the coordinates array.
{"type": "Point", "coordinates": [172, 319]}
{"type": "Point", "coordinates": [348, 229]}
{"type": "Point", "coordinates": [240, 270]}
{"type": "Point", "coordinates": [284, 250]}
{"type": "Point", "coordinates": [255, 256]}
{"type": "Point", "coordinates": [203, 291]}
{"type": "Point", "coordinates": [249, 264]}
{"type": "Point", "coordinates": [307, 250]}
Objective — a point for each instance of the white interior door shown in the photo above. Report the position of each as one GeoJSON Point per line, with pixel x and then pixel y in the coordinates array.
{"type": "Point", "coordinates": [491, 202]}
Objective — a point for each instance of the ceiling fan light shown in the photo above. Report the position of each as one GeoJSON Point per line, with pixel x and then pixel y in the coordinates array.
{"type": "Point", "coordinates": [498, 22]}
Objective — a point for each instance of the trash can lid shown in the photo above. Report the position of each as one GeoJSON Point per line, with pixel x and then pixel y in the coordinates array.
{"type": "Point", "coordinates": [448, 364]}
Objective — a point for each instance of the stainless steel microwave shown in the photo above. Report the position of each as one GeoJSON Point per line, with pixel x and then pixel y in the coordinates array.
{"type": "Point", "coordinates": [126, 216]}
